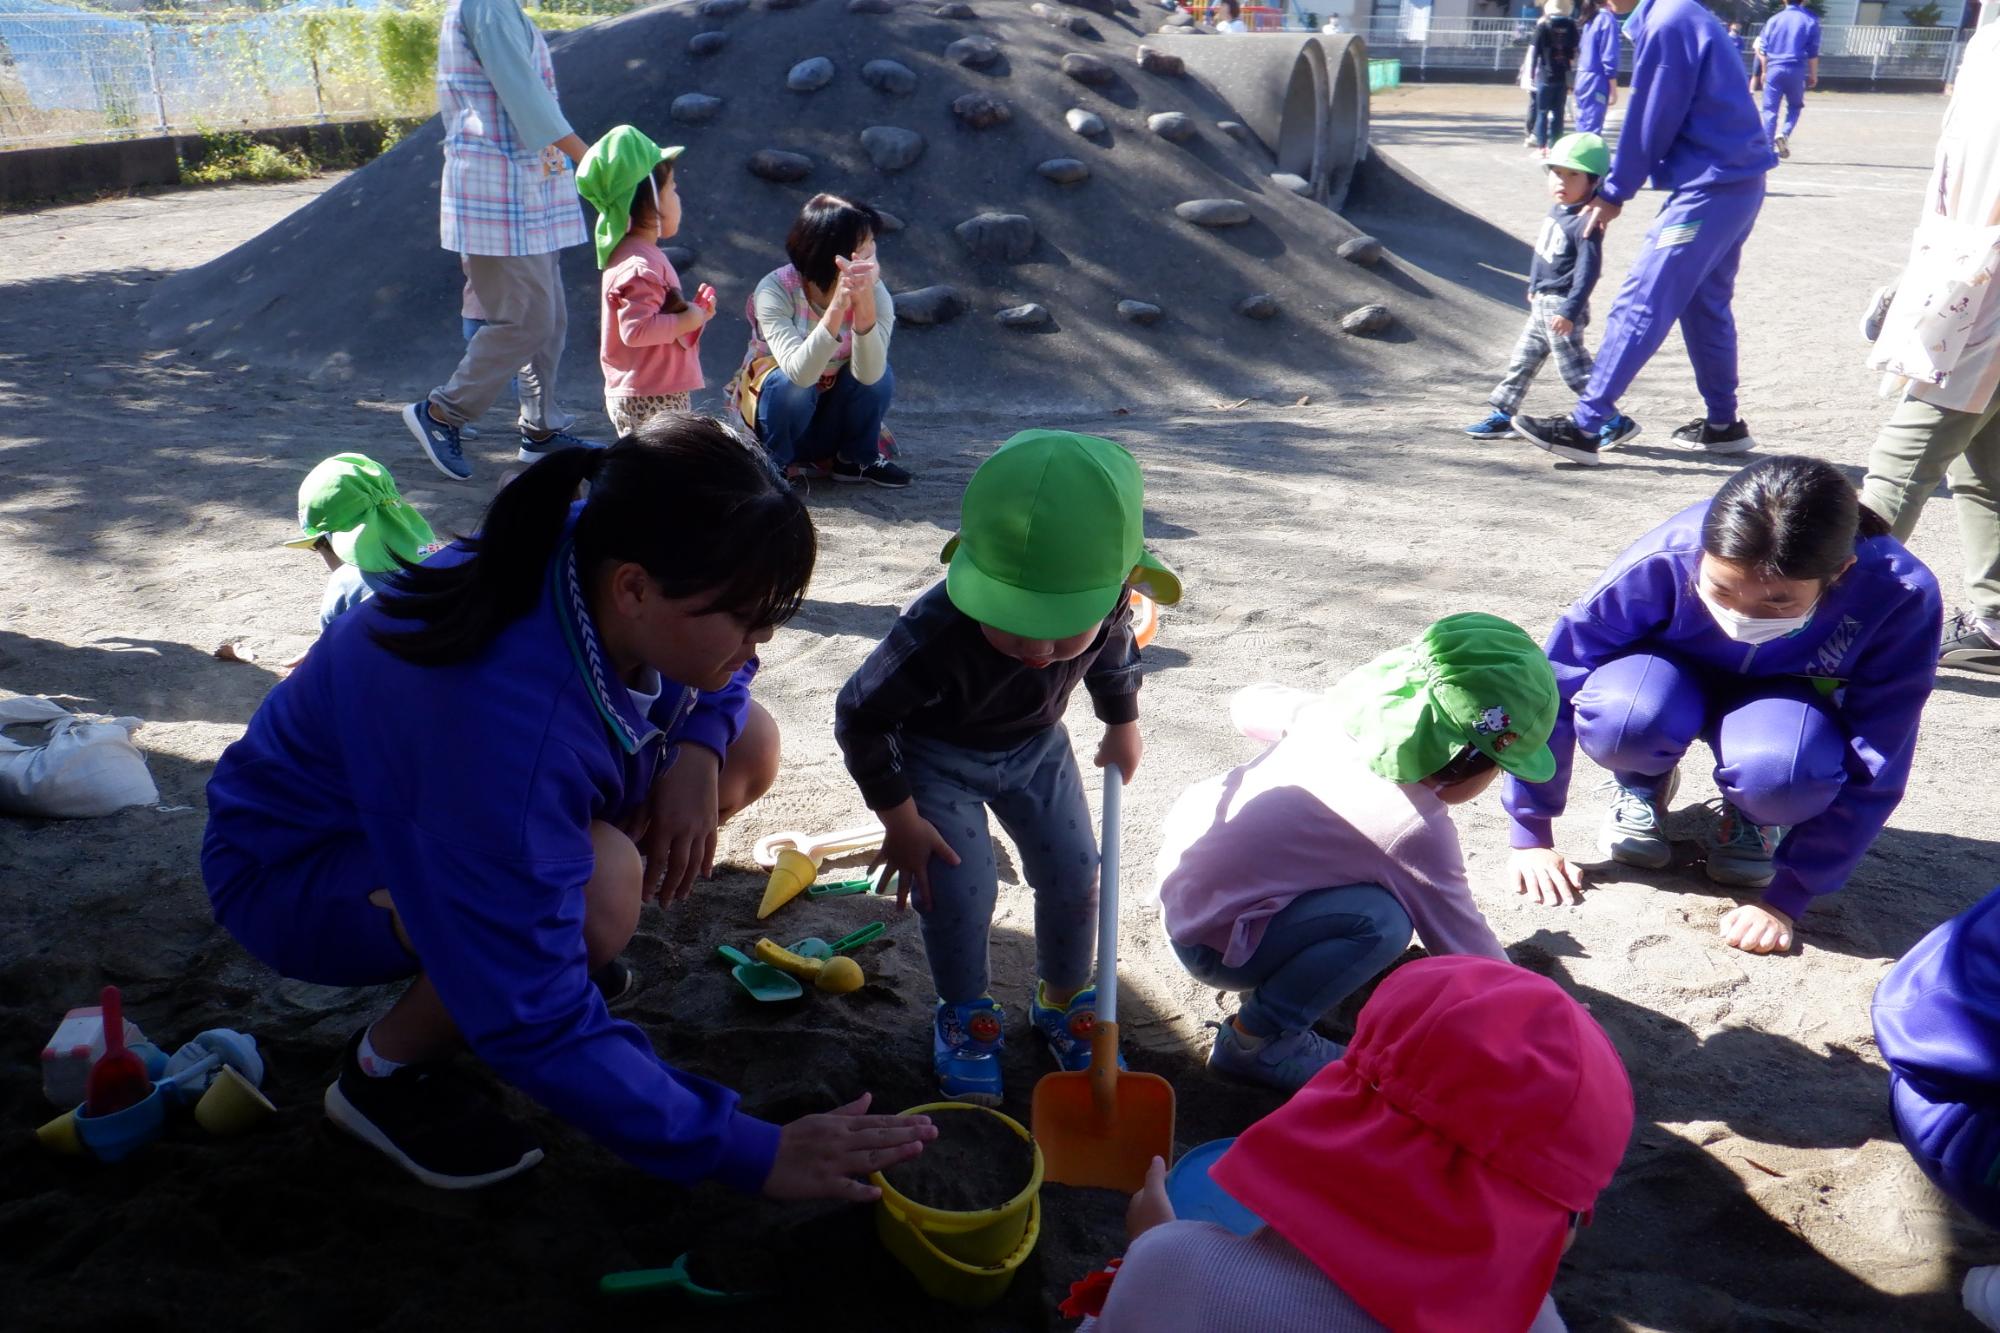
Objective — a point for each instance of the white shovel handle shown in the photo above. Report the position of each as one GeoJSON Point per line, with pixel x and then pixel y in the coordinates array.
{"type": "Point", "coordinates": [1107, 900]}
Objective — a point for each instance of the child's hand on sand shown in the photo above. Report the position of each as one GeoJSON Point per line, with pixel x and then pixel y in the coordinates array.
{"type": "Point", "coordinates": [1122, 745]}
{"type": "Point", "coordinates": [1150, 1207]}
{"type": "Point", "coordinates": [909, 841]}
{"type": "Point", "coordinates": [680, 842]}
{"type": "Point", "coordinates": [820, 1156]}
{"type": "Point", "coordinates": [1755, 928]}
{"type": "Point", "coordinates": [1543, 872]}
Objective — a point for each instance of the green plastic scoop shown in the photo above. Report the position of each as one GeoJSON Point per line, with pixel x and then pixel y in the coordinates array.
{"type": "Point", "coordinates": [674, 1278]}
{"type": "Point", "coordinates": [815, 947]}
{"type": "Point", "coordinates": [763, 981]}
{"type": "Point", "coordinates": [840, 888]}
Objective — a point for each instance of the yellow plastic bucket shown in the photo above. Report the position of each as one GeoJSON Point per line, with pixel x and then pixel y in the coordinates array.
{"type": "Point", "coordinates": [953, 1281]}
{"type": "Point", "coordinates": [975, 1240]}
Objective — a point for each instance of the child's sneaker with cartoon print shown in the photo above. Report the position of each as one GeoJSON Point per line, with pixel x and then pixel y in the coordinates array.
{"type": "Point", "coordinates": [1067, 1030]}
{"type": "Point", "coordinates": [965, 1051]}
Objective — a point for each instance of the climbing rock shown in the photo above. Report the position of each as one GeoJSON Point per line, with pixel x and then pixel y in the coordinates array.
{"type": "Point", "coordinates": [1161, 62]}
{"type": "Point", "coordinates": [889, 76]}
{"type": "Point", "coordinates": [1171, 126]}
{"type": "Point", "coordinates": [928, 305]}
{"type": "Point", "coordinates": [1004, 236]}
{"type": "Point", "coordinates": [1064, 170]}
{"type": "Point", "coordinates": [981, 110]}
{"type": "Point", "coordinates": [891, 148]}
{"type": "Point", "coordinates": [707, 43]}
{"type": "Point", "coordinates": [890, 222]}
{"type": "Point", "coordinates": [1213, 212]}
{"type": "Point", "coordinates": [1286, 180]}
{"type": "Point", "coordinates": [1055, 18]}
{"type": "Point", "coordinates": [810, 75]}
{"type": "Point", "coordinates": [972, 52]}
{"type": "Point", "coordinates": [1234, 129]}
{"type": "Point", "coordinates": [695, 108]}
{"type": "Point", "coordinates": [1139, 312]}
{"type": "Point", "coordinates": [1367, 319]}
{"type": "Point", "coordinates": [1261, 306]}
{"type": "Point", "coordinates": [1029, 316]}
{"type": "Point", "coordinates": [721, 9]}
{"type": "Point", "coordinates": [953, 12]}
{"type": "Point", "coordinates": [774, 165]}
{"type": "Point", "coordinates": [680, 256]}
{"type": "Point", "coordinates": [1364, 250]}
{"type": "Point", "coordinates": [869, 7]}
{"type": "Point", "coordinates": [1087, 69]}
{"type": "Point", "coordinates": [1084, 122]}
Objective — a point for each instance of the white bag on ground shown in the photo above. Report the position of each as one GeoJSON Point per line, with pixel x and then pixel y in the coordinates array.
{"type": "Point", "coordinates": [83, 769]}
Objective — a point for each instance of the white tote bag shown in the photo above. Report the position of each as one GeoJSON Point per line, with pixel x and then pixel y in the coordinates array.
{"type": "Point", "coordinates": [82, 769]}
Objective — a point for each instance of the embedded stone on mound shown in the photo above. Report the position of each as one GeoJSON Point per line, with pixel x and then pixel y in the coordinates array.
{"type": "Point", "coordinates": [721, 9]}
{"type": "Point", "coordinates": [1285, 180]}
{"type": "Point", "coordinates": [809, 76]}
{"type": "Point", "coordinates": [1261, 306]}
{"type": "Point", "coordinates": [892, 148]}
{"type": "Point", "coordinates": [1364, 250]}
{"type": "Point", "coordinates": [1064, 170]}
{"type": "Point", "coordinates": [889, 76]}
{"type": "Point", "coordinates": [695, 108]}
{"type": "Point", "coordinates": [1070, 23]}
{"type": "Point", "coordinates": [1086, 123]}
{"type": "Point", "coordinates": [1003, 236]}
{"type": "Point", "coordinates": [1173, 126]}
{"type": "Point", "coordinates": [1214, 212]}
{"type": "Point", "coordinates": [1367, 319]}
{"type": "Point", "coordinates": [775, 164]}
{"type": "Point", "coordinates": [707, 43]}
{"type": "Point", "coordinates": [1087, 69]}
{"type": "Point", "coordinates": [1140, 312]}
{"type": "Point", "coordinates": [929, 305]}
{"type": "Point", "coordinates": [972, 52]}
{"type": "Point", "coordinates": [1161, 62]}
{"type": "Point", "coordinates": [954, 12]}
{"type": "Point", "coordinates": [981, 111]}
{"type": "Point", "coordinates": [1029, 316]}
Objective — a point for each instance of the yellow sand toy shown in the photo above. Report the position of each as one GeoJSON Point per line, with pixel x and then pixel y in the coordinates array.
{"type": "Point", "coordinates": [838, 975]}
{"type": "Point", "coordinates": [795, 859]}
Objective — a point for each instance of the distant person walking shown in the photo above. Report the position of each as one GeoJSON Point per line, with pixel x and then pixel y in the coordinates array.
{"type": "Point", "coordinates": [1552, 57]}
{"type": "Point", "coordinates": [1787, 65]}
{"type": "Point", "coordinates": [1596, 66]}
{"type": "Point", "coordinates": [507, 203]}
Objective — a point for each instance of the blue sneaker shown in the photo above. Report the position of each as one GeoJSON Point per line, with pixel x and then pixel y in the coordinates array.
{"type": "Point", "coordinates": [534, 450]}
{"type": "Point", "coordinates": [1740, 852]}
{"type": "Point", "coordinates": [1493, 426]}
{"type": "Point", "coordinates": [1286, 1062]}
{"type": "Point", "coordinates": [1067, 1030]}
{"type": "Point", "coordinates": [965, 1051]}
{"type": "Point", "coordinates": [439, 442]}
{"type": "Point", "coordinates": [1619, 430]}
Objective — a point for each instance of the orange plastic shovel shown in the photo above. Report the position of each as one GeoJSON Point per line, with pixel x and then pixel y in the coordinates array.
{"type": "Point", "coordinates": [1104, 1126]}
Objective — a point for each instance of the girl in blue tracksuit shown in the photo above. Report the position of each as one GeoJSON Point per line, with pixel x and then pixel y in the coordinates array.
{"type": "Point", "coordinates": [1596, 66]}
{"type": "Point", "coordinates": [1781, 624]}
{"type": "Point", "coordinates": [457, 786]}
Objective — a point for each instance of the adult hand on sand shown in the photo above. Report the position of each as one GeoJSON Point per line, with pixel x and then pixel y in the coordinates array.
{"type": "Point", "coordinates": [819, 1156]}
{"type": "Point", "coordinates": [1150, 1207]}
{"type": "Point", "coordinates": [680, 841]}
{"type": "Point", "coordinates": [1545, 873]}
{"type": "Point", "coordinates": [1755, 928]}
{"type": "Point", "coordinates": [1599, 214]}
{"type": "Point", "coordinates": [909, 841]}
{"type": "Point", "coordinates": [1122, 745]}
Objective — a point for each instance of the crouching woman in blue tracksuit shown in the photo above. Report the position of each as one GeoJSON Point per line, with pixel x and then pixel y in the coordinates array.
{"type": "Point", "coordinates": [1781, 624]}
{"type": "Point", "coordinates": [457, 786]}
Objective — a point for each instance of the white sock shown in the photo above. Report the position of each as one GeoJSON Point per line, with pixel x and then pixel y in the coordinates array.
{"type": "Point", "coordinates": [372, 1064]}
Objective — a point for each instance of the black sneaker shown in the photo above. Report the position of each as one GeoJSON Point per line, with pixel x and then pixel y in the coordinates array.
{"type": "Point", "coordinates": [881, 472]}
{"type": "Point", "coordinates": [429, 1120]}
{"type": "Point", "coordinates": [615, 981]}
{"type": "Point", "coordinates": [1968, 647]}
{"type": "Point", "coordinates": [1731, 439]}
{"type": "Point", "coordinates": [1561, 436]}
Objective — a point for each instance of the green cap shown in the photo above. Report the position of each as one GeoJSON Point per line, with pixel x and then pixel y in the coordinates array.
{"type": "Point", "coordinates": [1050, 530]}
{"type": "Point", "coordinates": [351, 500]}
{"type": "Point", "coordinates": [608, 175]}
{"type": "Point", "coordinates": [1580, 152]}
{"type": "Point", "coordinates": [1472, 679]}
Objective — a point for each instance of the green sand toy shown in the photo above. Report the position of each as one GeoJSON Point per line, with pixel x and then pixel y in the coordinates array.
{"type": "Point", "coordinates": [763, 981]}
{"type": "Point", "coordinates": [814, 947]}
{"type": "Point", "coordinates": [639, 1281]}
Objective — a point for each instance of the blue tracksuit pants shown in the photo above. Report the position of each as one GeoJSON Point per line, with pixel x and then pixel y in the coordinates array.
{"type": "Point", "coordinates": [1686, 272]}
{"type": "Point", "coordinates": [1593, 95]}
{"type": "Point", "coordinates": [1783, 83]}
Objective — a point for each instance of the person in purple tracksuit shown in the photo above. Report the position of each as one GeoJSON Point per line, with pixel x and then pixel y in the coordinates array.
{"type": "Point", "coordinates": [1596, 66]}
{"type": "Point", "coordinates": [1788, 61]}
{"type": "Point", "coordinates": [1691, 128]}
{"type": "Point", "coordinates": [1781, 624]}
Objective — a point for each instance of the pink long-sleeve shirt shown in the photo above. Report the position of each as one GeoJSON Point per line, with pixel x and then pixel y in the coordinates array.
{"type": "Point", "coordinates": [645, 351]}
{"type": "Point", "coordinates": [1308, 814]}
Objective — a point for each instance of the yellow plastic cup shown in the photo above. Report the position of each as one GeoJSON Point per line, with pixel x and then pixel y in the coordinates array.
{"type": "Point", "coordinates": [59, 1135]}
{"type": "Point", "coordinates": [231, 1106]}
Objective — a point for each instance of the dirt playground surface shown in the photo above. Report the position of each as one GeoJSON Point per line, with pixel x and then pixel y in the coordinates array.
{"type": "Point", "coordinates": [141, 499]}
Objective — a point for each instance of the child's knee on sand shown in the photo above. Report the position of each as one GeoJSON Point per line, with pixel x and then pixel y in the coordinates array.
{"type": "Point", "coordinates": [751, 766]}
{"type": "Point", "coordinates": [613, 895]}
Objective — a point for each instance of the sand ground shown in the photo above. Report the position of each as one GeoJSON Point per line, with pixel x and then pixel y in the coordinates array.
{"type": "Point", "coordinates": [140, 500]}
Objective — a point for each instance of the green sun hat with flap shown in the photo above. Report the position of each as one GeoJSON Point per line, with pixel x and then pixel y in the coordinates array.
{"type": "Point", "coordinates": [1580, 152]}
{"type": "Point", "coordinates": [609, 174]}
{"type": "Point", "coordinates": [1051, 530]}
{"type": "Point", "coordinates": [1471, 679]}
{"type": "Point", "coordinates": [352, 502]}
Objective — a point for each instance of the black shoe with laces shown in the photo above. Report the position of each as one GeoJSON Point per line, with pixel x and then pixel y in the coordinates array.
{"type": "Point", "coordinates": [615, 981]}
{"type": "Point", "coordinates": [1731, 439]}
{"type": "Point", "coordinates": [881, 472]}
{"type": "Point", "coordinates": [1562, 437]}
{"type": "Point", "coordinates": [1969, 647]}
{"type": "Point", "coordinates": [429, 1120]}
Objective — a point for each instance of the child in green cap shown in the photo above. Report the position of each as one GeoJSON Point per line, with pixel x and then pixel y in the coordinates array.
{"type": "Point", "coordinates": [649, 340]}
{"type": "Point", "coordinates": [959, 710]}
{"type": "Point", "coordinates": [1298, 876]}
{"type": "Point", "coordinates": [351, 513]}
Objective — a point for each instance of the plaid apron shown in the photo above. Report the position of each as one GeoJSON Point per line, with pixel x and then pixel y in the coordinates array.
{"type": "Point", "coordinates": [498, 197]}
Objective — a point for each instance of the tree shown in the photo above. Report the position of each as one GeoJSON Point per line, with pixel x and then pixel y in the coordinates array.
{"type": "Point", "coordinates": [1926, 15]}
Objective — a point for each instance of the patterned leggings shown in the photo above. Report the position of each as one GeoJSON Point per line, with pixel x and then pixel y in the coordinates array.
{"type": "Point", "coordinates": [628, 414]}
{"type": "Point", "coordinates": [1537, 342]}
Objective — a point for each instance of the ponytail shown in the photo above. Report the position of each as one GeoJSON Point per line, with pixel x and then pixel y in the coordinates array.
{"type": "Point", "coordinates": [705, 514]}
{"type": "Point", "coordinates": [1790, 516]}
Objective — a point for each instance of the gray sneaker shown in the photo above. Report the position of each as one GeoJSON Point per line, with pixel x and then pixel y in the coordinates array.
{"type": "Point", "coordinates": [1968, 647]}
{"type": "Point", "coordinates": [1285, 1061]}
{"type": "Point", "coordinates": [1634, 830]}
{"type": "Point", "coordinates": [1739, 852]}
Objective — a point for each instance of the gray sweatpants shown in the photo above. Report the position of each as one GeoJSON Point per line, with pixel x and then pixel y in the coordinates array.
{"type": "Point", "coordinates": [1536, 343]}
{"type": "Point", "coordinates": [527, 321]}
{"type": "Point", "coordinates": [1918, 446]}
{"type": "Point", "coordinates": [1037, 793]}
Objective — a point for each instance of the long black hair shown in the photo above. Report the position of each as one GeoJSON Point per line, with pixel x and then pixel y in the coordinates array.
{"type": "Point", "coordinates": [704, 513]}
{"type": "Point", "coordinates": [1791, 516]}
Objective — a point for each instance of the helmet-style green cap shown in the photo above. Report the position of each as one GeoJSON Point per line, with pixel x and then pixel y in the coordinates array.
{"type": "Point", "coordinates": [1050, 529]}
{"type": "Point", "coordinates": [1580, 152]}
{"type": "Point", "coordinates": [1471, 679]}
{"type": "Point", "coordinates": [352, 501]}
{"type": "Point", "coordinates": [607, 177]}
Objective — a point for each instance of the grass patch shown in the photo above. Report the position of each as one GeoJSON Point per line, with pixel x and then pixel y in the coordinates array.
{"type": "Point", "coordinates": [238, 157]}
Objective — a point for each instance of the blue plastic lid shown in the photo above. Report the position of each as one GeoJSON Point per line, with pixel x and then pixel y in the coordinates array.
{"type": "Point", "coordinates": [1196, 1198]}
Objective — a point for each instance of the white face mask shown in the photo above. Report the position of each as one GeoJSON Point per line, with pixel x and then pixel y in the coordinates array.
{"type": "Point", "coordinates": [1752, 629]}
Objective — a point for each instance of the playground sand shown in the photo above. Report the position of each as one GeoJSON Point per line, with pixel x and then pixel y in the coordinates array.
{"type": "Point", "coordinates": [142, 496]}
